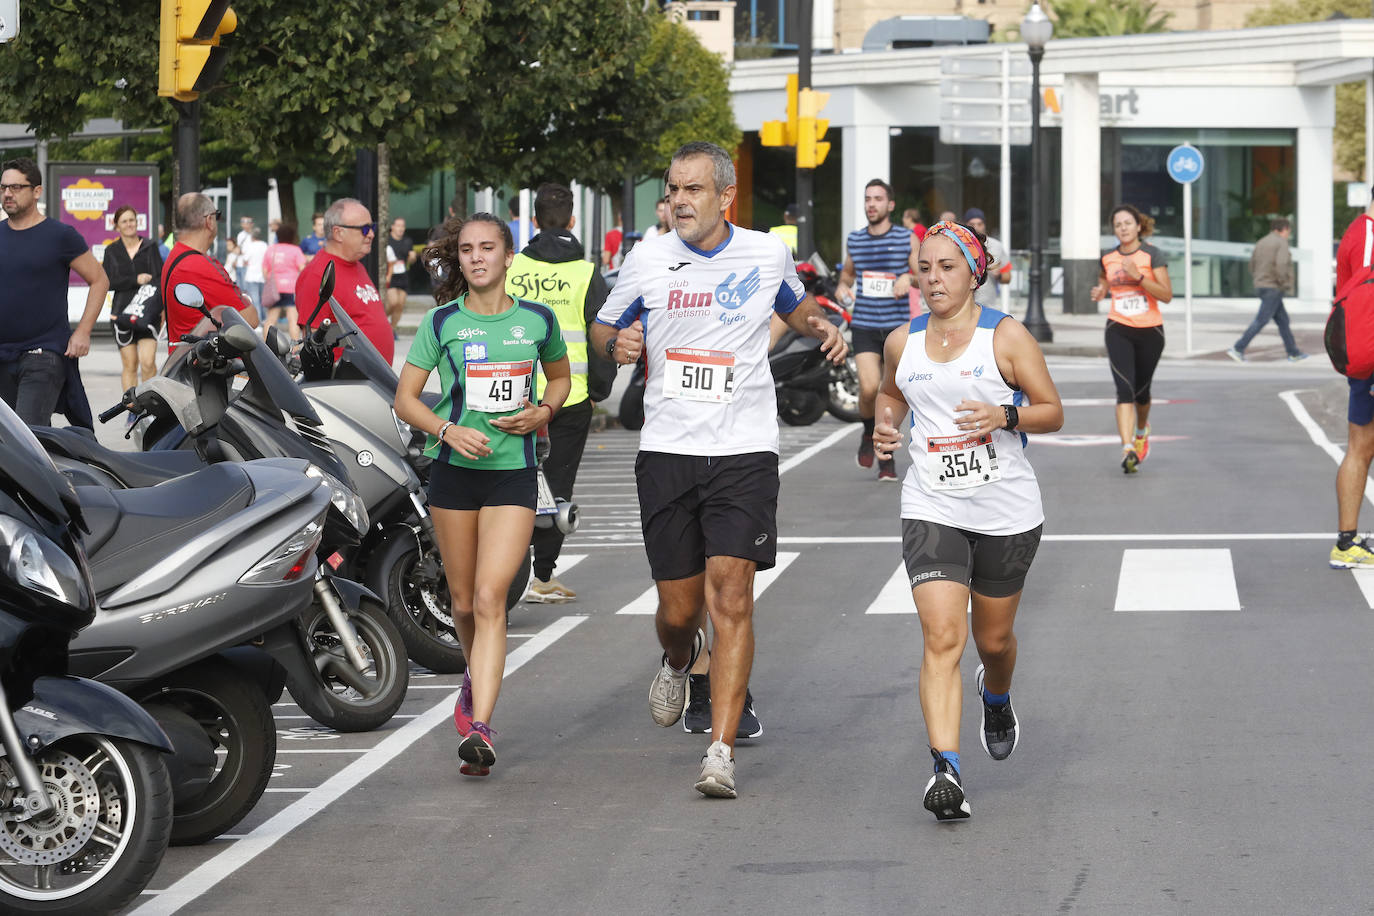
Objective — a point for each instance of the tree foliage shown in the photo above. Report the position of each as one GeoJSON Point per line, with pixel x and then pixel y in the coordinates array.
{"type": "Point", "coordinates": [1348, 137]}
{"type": "Point", "coordinates": [503, 93]}
{"type": "Point", "coordinates": [1089, 18]}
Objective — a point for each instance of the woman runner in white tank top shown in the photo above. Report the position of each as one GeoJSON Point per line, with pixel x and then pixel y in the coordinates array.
{"type": "Point", "coordinates": [975, 382]}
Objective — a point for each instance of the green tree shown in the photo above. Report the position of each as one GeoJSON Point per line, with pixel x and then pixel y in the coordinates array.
{"type": "Point", "coordinates": [1348, 137]}
{"type": "Point", "coordinates": [1088, 18]}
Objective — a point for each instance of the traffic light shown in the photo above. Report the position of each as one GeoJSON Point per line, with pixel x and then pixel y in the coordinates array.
{"type": "Point", "coordinates": [190, 58]}
{"type": "Point", "coordinates": [811, 149]}
{"type": "Point", "coordinates": [783, 133]}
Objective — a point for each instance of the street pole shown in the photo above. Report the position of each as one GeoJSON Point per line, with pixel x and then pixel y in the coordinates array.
{"type": "Point", "coordinates": [1035, 305]}
{"type": "Point", "coordinates": [806, 178]}
{"type": "Point", "coordinates": [186, 163]}
{"type": "Point", "coordinates": [365, 190]}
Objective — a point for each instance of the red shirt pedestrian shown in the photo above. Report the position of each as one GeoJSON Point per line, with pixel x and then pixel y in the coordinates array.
{"type": "Point", "coordinates": [355, 291]}
{"type": "Point", "coordinates": [208, 276]}
{"type": "Point", "coordinates": [1356, 252]}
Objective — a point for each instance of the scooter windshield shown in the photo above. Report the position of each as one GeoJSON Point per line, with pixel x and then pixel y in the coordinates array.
{"type": "Point", "coordinates": [31, 472]}
{"type": "Point", "coordinates": [360, 353]}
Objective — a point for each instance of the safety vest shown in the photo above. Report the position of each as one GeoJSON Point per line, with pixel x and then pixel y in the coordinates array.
{"type": "Point", "coordinates": [788, 234]}
{"type": "Point", "coordinates": [562, 286]}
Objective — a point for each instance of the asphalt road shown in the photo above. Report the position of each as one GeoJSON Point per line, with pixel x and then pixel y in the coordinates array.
{"type": "Point", "coordinates": [1201, 754]}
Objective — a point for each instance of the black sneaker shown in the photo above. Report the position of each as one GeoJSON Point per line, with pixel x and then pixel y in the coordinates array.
{"type": "Point", "coordinates": [944, 793]}
{"type": "Point", "coordinates": [1000, 730]}
{"type": "Point", "coordinates": [749, 724]}
{"type": "Point", "coordinates": [887, 469]}
{"type": "Point", "coordinates": [697, 719]}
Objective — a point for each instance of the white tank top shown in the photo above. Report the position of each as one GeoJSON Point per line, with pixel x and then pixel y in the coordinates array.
{"type": "Point", "coordinates": [981, 484]}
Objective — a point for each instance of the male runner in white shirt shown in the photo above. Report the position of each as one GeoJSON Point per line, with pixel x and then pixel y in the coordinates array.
{"type": "Point", "coordinates": [697, 302]}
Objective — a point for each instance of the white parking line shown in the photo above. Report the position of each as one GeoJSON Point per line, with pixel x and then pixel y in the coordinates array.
{"type": "Point", "coordinates": [264, 837]}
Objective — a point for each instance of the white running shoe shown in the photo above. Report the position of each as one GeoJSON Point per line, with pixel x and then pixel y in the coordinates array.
{"type": "Point", "coordinates": [668, 691]}
{"type": "Point", "coordinates": [717, 777]}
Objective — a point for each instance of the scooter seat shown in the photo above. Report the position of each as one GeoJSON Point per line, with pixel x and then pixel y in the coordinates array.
{"type": "Point", "coordinates": [133, 469]}
{"type": "Point", "coordinates": [130, 530]}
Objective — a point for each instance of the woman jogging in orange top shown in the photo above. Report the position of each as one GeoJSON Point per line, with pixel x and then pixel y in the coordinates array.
{"type": "Point", "coordinates": [1134, 275]}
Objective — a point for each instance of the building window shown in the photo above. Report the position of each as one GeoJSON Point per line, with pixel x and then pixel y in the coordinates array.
{"type": "Point", "coordinates": [704, 15]}
{"type": "Point", "coordinates": [767, 23]}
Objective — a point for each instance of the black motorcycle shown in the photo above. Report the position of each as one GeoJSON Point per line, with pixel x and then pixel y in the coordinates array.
{"type": "Point", "coordinates": [85, 798]}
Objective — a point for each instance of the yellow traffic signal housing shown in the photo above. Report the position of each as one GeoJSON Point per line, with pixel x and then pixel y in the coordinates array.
{"type": "Point", "coordinates": [773, 133]}
{"type": "Point", "coordinates": [190, 59]}
{"type": "Point", "coordinates": [811, 148]}
{"type": "Point", "coordinates": [783, 133]}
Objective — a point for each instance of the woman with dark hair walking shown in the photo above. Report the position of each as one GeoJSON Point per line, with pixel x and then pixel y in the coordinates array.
{"type": "Point", "coordinates": [482, 488]}
{"type": "Point", "coordinates": [134, 264]}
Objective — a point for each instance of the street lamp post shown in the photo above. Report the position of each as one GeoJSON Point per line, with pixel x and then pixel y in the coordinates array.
{"type": "Point", "coordinates": [1036, 30]}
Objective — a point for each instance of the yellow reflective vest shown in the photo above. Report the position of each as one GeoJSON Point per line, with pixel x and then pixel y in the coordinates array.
{"type": "Point", "coordinates": [788, 234]}
{"type": "Point", "coordinates": [562, 286]}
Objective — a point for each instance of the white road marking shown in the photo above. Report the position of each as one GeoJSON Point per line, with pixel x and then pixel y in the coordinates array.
{"type": "Point", "coordinates": [1364, 578]}
{"type": "Point", "coordinates": [200, 880]}
{"type": "Point", "coordinates": [1318, 435]}
{"type": "Point", "coordinates": [895, 597]}
{"type": "Point", "coordinates": [1238, 536]}
{"type": "Point", "coordinates": [647, 603]}
{"type": "Point", "coordinates": [820, 446]}
{"type": "Point", "coordinates": [1177, 580]}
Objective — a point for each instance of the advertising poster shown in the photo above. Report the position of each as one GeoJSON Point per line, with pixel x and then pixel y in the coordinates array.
{"type": "Point", "coordinates": [85, 196]}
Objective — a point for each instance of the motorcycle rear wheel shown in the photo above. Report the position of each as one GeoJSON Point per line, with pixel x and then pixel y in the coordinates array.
{"type": "Point", "coordinates": [109, 830]}
{"type": "Point", "coordinates": [800, 408]}
{"type": "Point", "coordinates": [237, 719]}
{"type": "Point", "coordinates": [417, 599]}
{"type": "Point", "coordinates": [344, 698]}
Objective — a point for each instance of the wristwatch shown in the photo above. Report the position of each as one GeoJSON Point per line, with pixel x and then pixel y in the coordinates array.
{"type": "Point", "coordinates": [1012, 417]}
{"type": "Point", "coordinates": [610, 347]}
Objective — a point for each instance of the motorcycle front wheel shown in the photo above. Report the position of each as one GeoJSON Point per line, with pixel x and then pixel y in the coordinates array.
{"type": "Point", "coordinates": [344, 698]}
{"type": "Point", "coordinates": [844, 392]}
{"type": "Point", "coordinates": [417, 598]}
{"type": "Point", "coordinates": [800, 408]}
{"type": "Point", "coordinates": [98, 849]}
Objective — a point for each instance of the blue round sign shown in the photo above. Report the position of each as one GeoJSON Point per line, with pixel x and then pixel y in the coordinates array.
{"type": "Point", "coordinates": [1184, 163]}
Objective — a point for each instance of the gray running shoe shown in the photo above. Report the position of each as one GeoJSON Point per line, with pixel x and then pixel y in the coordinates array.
{"type": "Point", "coordinates": [1001, 731]}
{"type": "Point", "coordinates": [668, 692]}
{"type": "Point", "coordinates": [749, 724]}
{"type": "Point", "coordinates": [945, 793]}
{"type": "Point", "coordinates": [717, 777]}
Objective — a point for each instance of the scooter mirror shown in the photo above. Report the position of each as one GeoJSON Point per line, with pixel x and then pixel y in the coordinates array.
{"type": "Point", "coordinates": [188, 294]}
{"type": "Point", "coordinates": [326, 290]}
{"type": "Point", "coordinates": [241, 338]}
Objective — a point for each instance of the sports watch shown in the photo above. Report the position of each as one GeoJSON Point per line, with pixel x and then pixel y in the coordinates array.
{"type": "Point", "coordinates": [1012, 417]}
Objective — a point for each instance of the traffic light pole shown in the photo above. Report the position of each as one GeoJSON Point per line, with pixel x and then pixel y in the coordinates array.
{"type": "Point", "coordinates": [186, 144]}
{"type": "Point", "coordinates": [806, 184]}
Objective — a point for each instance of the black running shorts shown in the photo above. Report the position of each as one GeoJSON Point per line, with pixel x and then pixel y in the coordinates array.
{"type": "Point", "coordinates": [868, 340]}
{"type": "Point", "coordinates": [991, 565]}
{"type": "Point", "coordinates": [470, 489]}
{"type": "Point", "coordinates": [693, 507]}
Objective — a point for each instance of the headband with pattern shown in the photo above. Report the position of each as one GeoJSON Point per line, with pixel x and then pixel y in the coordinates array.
{"type": "Point", "coordinates": [968, 244]}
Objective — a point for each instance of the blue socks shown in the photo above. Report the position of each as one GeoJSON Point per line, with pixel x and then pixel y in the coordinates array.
{"type": "Point", "coordinates": [953, 758]}
{"type": "Point", "coordinates": [996, 699]}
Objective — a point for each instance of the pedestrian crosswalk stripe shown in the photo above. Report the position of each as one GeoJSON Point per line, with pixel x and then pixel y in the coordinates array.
{"type": "Point", "coordinates": [895, 598]}
{"type": "Point", "coordinates": [647, 603]}
{"type": "Point", "coordinates": [1177, 580]}
{"type": "Point", "coordinates": [1364, 578]}
{"type": "Point", "coordinates": [568, 560]}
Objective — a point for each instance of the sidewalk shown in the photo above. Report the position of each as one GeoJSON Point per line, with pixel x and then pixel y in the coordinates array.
{"type": "Point", "coordinates": [1216, 324]}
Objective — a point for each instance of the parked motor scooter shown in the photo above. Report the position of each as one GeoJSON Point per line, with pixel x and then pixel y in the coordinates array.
{"type": "Point", "coordinates": [351, 671]}
{"type": "Point", "coordinates": [843, 394]}
{"type": "Point", "coordinates": [85, 798]}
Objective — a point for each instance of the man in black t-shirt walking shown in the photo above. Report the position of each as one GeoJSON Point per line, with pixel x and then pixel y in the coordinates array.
{"type": "Point", "coordinates": [36, 256]}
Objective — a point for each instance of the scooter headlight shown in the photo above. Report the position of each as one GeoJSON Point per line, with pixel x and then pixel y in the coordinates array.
{"type": "Point", "coordinates": [343, 498]}
{"type": "Point", "coordinates": [35, 562]}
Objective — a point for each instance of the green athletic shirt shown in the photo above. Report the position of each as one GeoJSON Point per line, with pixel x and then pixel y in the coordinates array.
{"type": "Point", "coordinates": [459, 341]}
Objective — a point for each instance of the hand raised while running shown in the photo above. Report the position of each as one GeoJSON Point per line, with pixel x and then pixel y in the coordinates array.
{"type": "Point", "coordinates": [886, 437]}
{"type": "Point", "coordinates": [629, 344]}
{"type": "Point", "coordinates": [530, 418]}
{"type": "Point", "coordinates": [832, 344]}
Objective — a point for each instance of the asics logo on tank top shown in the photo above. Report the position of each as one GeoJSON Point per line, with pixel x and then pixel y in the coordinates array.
{"type": "Point", "coordinates": [920, 376]}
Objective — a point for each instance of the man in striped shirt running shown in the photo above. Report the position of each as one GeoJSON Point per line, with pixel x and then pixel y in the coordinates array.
{"type": "Point", "coordinates": [879, 266]}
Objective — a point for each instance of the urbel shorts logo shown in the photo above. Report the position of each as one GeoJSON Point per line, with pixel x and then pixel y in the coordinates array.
{"type": "Point", "coordinates": [732, 297]}
{"type": "Point", "coordinates": [922, 577]}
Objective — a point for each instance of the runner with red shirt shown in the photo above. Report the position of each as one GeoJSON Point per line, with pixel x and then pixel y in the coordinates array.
{"type": "Point", "coordinates": [348, 235]}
